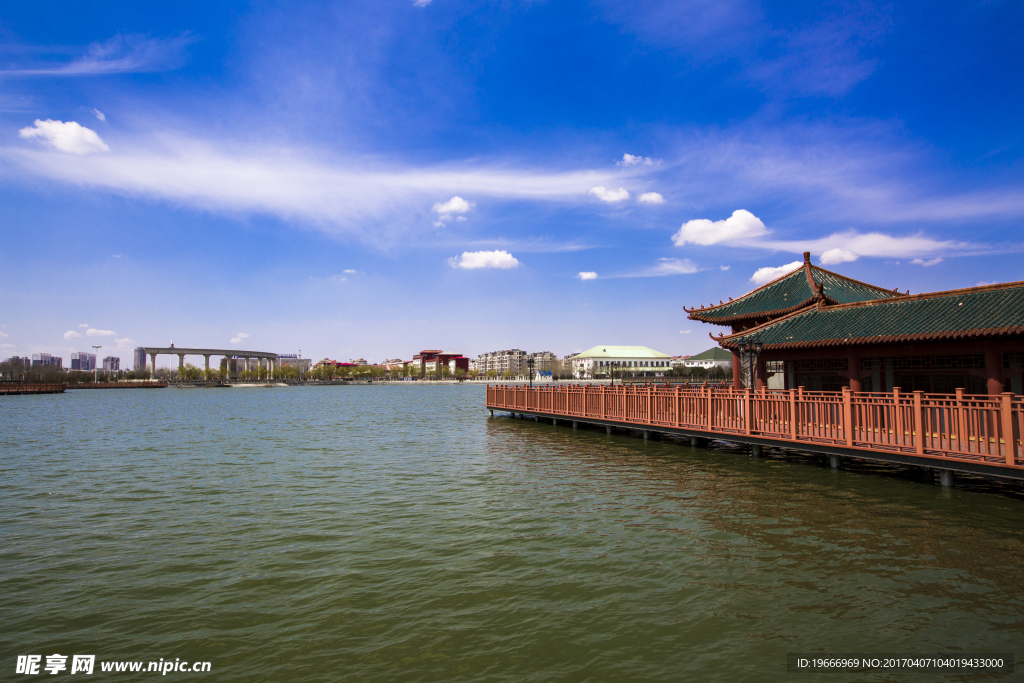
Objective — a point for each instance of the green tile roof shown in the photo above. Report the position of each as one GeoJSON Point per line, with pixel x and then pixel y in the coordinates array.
{"type": "Point", "coordinates": [994, 310]}
{"type": "Point", "coordinates": [715, 353]}
{"type": "Point", "coordinates": [789, 293]}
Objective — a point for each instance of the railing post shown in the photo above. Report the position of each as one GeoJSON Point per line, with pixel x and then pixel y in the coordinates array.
{"type": "Point", "coordinates": [1006, 410]}
{"type": "Point", "coordinates": [678, 408]}
{"type": "Point", "coordinates": [792, 414]}
{"type": "Point", "coordinates": [710, 420]}
{"type": "Point", "coordinates": [919, 423]}
{"type": "Point", "coordinates": [961, 423]}
{"type": "Point", "coordinates": [747, 417]}
{"type": "Point", "coordinates": [848, 415]}
{"type": "Point", "coordinates": [897, 416]}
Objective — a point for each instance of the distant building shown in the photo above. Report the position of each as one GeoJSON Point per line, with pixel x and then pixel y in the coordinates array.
{"type": "Point", "coordinates": [712, 358]}
{"type": "Point", "coordinates": [634, 360]}
{"type": "Point", "coordinates": [46, 359]}
{"type": "Point", "coordinates": [83, 360]}
{"type": "Point", "coordinates": [679, 361]}
{"type": "Point", "coordinates": [292, 360]}
{"type": "Point", "coordinates": [511, 361]}
{"type": "Point", "coordinates": [111, 364]}
{"type": "Point", "coordinates": [140, 359]}
{"type": "Point", "coordinates": [23, 360]}
{"type": "Point", "coordinates": [358, 361]}
{"type": "Point", "coordinates": [430, 361]}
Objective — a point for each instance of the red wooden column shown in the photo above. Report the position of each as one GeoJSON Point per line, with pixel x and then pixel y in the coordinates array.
{"type": "Point", "coordinates": [854, 362]}
{"type": "Point", "coordinates": [760, 376]}
{"type": "Point", "coordinates": [737, 372]}
{"type": "Point", "coordinates": [993, 370]}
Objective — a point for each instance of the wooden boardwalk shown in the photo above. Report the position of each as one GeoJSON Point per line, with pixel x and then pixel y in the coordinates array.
{"type": "Point", "coordinates": [957, 432]}
{"type": "Point", "coordinates": [18, 388]}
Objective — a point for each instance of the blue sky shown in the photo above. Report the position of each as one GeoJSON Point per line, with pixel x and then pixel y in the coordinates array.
{"type": "Point", "coordinates": [372, 179]}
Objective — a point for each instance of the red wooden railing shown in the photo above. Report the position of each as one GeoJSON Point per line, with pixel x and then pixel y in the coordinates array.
{"type": "Point", "coordinates": [957, 426]}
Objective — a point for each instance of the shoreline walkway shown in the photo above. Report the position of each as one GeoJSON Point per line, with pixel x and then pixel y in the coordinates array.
{"type": "Point", "coordinates": [947, 432]}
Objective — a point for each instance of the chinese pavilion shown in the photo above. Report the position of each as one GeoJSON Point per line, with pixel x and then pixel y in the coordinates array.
{"type": "Point", "coordinates": [823, 331]}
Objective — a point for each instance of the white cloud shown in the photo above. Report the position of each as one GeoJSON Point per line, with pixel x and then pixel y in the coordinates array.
{"type": "Point", "coordinates": [421, 3]}
{"type": "Point", "coordinates": [239, 337]}
{"type": "Point", "coordinates": [67, 137]}
{"type": "Point", "coordinates": [7, 346]}
{"type": "Point", "coordinates": [767, 274]}
{"type": "Point", "coordinates": [71, 334]}
{"type": "Point", "coordinates": [837, 255]}
{"type": "Point", "coordinates": [741, 225]}
{"type": "Point", "coordinates": [99, 333]}
{"type": "Point", "coordinates": [349, 271]}
{"type": "Point", "coordinates": [98, 114]}
{"type": "Point", "coordinates": [587, 275]}
{"type": "Point", "coordinates": [685, 331]}
{"type": "Point", "coordinates": [651, 198]}
{"type": "Point", "coordinates": [470, 260]}
{"type": "Point", "coordinates": [4, 334]}
{"type": "Point", "coordinates": [723, 268]}
{"type": "Point", "coordinates": [439, 224]}
{"type": "Point", "coordinates": [610, 196]}
{"type": "Point", "coordinates": [931, 262]}
{"type": "Point", "coordinates": [874, 244]}
{"type": "Point", "coordinates": [126, 342]}
{"type": "Point", "coordinates": [630, 160]}
{"type": "Point", "coordinates": [83, 324]}
{"type": "Point", "coordinates": [453, 205]}
{"type": "Point", "coordinates": [987, 282]}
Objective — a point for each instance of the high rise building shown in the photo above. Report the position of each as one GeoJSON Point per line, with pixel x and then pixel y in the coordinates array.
{"type": "Point", "coordinates": [46, 359]}
{"type": "Point", "coordinates": [140, 359]}
{"type": "Point", "coordinates": [294, 361]}
{"type": "Point", "coordinates": [83, 360]}
{"type": "Point", "coordinates": [111, 364]}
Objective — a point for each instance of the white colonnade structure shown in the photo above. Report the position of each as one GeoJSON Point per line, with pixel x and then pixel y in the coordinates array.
{"type": "Point", "coordinates": [250, 359]}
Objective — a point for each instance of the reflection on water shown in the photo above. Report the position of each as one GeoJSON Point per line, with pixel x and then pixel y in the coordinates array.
{"type": "Point", "coordinates": [397, 533]}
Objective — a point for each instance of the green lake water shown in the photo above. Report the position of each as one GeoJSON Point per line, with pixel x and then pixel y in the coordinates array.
{"type": "Point", "coordinates": [396, 533]}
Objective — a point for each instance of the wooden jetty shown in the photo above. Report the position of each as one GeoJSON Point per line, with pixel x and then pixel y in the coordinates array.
{"type": "Point", "coordinates": [958, 432]}
{"type": "Point", "coordinates": [32, 388]}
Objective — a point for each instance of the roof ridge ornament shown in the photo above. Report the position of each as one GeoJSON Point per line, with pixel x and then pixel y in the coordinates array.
{"type": "Point", "coordinates": [817, 288]}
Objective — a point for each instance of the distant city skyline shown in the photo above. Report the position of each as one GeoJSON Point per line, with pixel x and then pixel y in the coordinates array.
{"type": "Point", "coordinates": [369, 179]}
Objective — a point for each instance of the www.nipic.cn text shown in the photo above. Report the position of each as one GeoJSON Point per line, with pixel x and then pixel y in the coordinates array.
{"type": "Point", "coordinates": [85, 664]}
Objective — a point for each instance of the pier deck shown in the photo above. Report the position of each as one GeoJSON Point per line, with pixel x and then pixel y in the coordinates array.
{"type": "Point", "coordinates": [954, 432]}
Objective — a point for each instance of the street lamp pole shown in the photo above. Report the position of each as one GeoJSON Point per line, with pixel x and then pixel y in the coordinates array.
{"type": "Point", "coordinates": [529, 364]}
{"type": "Point", "coordinates": [95, 368]}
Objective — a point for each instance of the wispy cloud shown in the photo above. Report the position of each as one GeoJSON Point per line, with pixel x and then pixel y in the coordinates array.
{"type": "Point", "coordinates": [663, 267]}
{"type": "Point", "coordinates": [71, 334]}
{"type": "Point", "coordinates": [99, 333]}
{"type": "Point", "coordinates": [353, 196]}
{"type": "Point", "coordinates": [587, 275]}
{"type": "Point", "coordinates": [120, 54]}
{"type": "Point", "coordinates": [239, 337]}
